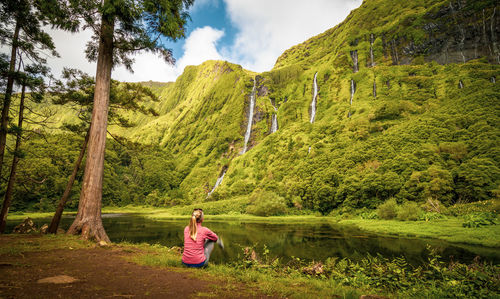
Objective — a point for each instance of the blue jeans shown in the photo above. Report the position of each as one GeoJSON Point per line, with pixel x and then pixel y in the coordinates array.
{"type": "Point", "coordinates": [208, 248]}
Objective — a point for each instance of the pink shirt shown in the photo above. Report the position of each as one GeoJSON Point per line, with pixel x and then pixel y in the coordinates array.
{"type": "Point", "coordinates": [194, 252]}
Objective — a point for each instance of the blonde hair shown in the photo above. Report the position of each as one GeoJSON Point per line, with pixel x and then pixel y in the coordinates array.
{"type": "Point", "coordinates": [196, 217]}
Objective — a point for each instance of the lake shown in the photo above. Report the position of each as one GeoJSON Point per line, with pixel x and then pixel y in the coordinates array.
{"type": "Point", "coordinates": [308, 241]}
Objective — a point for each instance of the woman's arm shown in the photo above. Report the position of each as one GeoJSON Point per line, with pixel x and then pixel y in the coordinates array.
{"type": "Point", "coordinates": [210, 234]}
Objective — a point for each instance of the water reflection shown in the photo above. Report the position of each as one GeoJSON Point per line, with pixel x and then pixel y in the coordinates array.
{"type": "Point", "coordinates": [306, 241]}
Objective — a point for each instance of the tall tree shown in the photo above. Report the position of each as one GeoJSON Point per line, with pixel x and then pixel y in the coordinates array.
{"type": "Point", "coordinates": [27, 36]}
{"type": "Point", "coordinates": [125, 27]}
{"type": "Point", "coordinates": [78, 88]}
{"type": "Point", "coordinates": [31, 78]}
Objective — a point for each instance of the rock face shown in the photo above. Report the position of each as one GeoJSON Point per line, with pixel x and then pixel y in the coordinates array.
{"type": "Point", "coordinates": [457, 33]}
{"type": "Point", "coordinates": [26, 227]}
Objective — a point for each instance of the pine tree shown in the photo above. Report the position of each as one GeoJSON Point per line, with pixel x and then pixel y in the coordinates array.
{"type": "Point", "coordinates": [78, 88]}
{"type": "Point", "coordinates": [31, 78]}
{"type": "Point", "coordinates": [26, 36]}
{"type": "Point", "coordinates": [125, 27]}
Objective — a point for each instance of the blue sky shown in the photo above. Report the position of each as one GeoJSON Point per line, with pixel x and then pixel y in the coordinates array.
{"type": "Point", "coordinates": [252, 33]}
{"type": "Point", "coordinates": [208, 13]}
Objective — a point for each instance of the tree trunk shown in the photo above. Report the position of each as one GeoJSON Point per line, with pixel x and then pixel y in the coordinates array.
{"type": "Point", "coordinates": [12, 178]}
{"type": "Point", "coordinates": [4, 121]}
{"type": "Point", "coordinates": [88, 220]}
{"type": "Point", "coordinates": [60, 208]}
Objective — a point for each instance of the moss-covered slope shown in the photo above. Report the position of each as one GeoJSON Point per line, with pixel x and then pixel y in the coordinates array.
{"type": "Point", "coordinates": [407, 107]}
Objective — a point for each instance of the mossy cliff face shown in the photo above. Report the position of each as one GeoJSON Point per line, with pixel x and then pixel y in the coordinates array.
{"type": "Point", "coordinates": [407, 107]}
{"type": "Point", "coordinates": [422, 123]}
{"type": "Point", "coordinates": [203, 118]}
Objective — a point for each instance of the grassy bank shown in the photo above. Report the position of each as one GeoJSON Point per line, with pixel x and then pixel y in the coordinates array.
{"type": "Point", "coordinates": [296, 279]}
{"type": "Point", "coordinates": [449, 229]}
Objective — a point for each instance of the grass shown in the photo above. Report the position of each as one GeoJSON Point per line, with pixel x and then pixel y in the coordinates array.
{"type": "Point", "coordinates": [449, 229]}
{"type": "Point", "coordinates": [229, 276]}
{"type": "Point", "coordinates": [23, 215]}
{"type": "Point", "coordinates": [254, 278]}
{"type": "Point", "coordinates": [18, 244]}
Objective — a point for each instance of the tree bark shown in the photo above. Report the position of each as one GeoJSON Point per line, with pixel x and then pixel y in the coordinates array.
{"type": "Point", "coordinates": [88, 220]}
{"type": "Point", "coordinates": [12, 178]}
{"type": "Point", "coordinates": [4, 120]}
{"type": "Point", "coordinates": [60, 208]}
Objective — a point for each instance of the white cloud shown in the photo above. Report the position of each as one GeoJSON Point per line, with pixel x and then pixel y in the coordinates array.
{"type": "Point", "coordinates": [267, 28]}
{"type": "Point", "coordinates": [71, 48]}
{"type": "Point", "coordinates": [200, 46]}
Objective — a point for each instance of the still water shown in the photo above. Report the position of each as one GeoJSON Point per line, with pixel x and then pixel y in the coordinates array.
{"type": "Point", "coordinates": [309, 241]}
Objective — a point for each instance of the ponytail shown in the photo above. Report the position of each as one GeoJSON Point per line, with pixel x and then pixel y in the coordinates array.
{"type": "Point", "coordinates": [196, 217]}
{"type": "Point", "coordinates": [192, 228]}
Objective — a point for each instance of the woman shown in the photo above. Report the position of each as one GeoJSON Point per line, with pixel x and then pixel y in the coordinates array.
{"type": "Point", "coordinates": [199, 242]}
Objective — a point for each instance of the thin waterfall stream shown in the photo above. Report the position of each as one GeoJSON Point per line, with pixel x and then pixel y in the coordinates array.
{"type": "Point", "coordinates": [353, 90]}
{"type": "Point", "coordinates": [372, 60]}
{"type": "Point", "coordinates": [250, 118]}
{"type": "Point", "coordinates": [274, 121]}
{"type": "Point", "coordinates": [315, 95]}
{"type": "Point", "coordinates": [217, 183]}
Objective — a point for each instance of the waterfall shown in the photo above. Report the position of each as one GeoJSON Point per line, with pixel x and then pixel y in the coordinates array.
{"type": "Point", "coordinates": [250, 118]}
{"type": "Point", "coordinates": [354, 56]}
{"type": "Point", "coordinates": [315, 95]}
{"type": "Point", "coordinates": [493, 80]}
{"type": "Point", "coordinates": [395, 58]}
{"type": "Point", "coordinates": [462, 33]}
{"type": "Point", "coordinates": [372, 39]}
{"type": "Point", "coordinates": [353, 89]}
{"type": "Point", "coordinates": [374, 89]}
{"type": "Point", "coordinates": [217, 183]}
{"type": "Point", "coordinates": [460, 84]}
{"type": "Point", "coordinates": [274, 123]}
{"type": "Point", "coordinates": [309, 150]}
{"type": "Point", "coordinates": [274, 119]}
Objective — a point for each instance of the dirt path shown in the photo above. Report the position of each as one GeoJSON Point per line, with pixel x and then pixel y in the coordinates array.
{"type": "Point", "coordinates": [99, 273]}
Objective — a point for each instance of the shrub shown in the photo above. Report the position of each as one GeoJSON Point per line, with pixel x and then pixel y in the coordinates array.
{"type": "Point", "coordinates": [434, 205]}
{"type": "Point", "coordinates": [426, 216]}
{"type": "Point", "coordinates": [266, 203]}
{"type": "Point", "coordinates": [388, 210]}
{"type": "Point", "coordinates": [369, 215]}
{"type": "Point", "coordinates": [409, 211]}
{"type": "Point", "coordinates": [484, 206]}
{"type": "Point", "coordinates": [479, 219]}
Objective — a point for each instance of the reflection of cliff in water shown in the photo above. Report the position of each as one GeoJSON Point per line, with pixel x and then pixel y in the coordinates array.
{"type": "Point", "coordinates": [317, 241]}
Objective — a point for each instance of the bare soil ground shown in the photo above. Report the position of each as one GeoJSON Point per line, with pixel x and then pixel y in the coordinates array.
{"type": "Point", "coordinates": [99, 273]}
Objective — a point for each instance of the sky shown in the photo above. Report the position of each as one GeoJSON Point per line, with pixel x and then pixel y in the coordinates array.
{"type": "Point", "coordinates": [252, 33]}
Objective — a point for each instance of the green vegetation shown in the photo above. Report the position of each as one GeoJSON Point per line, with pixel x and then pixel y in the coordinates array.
{"type": "Point", "coordinates": [422, 143]}
{"type": "Point", "coordinates": [450, 229]}
{"type": "Point", "coordinates": [298, 279]}
{"type": "Point", "coordinates": [19, 244]}
{"type": "Point", "coordinates": [374, 275]}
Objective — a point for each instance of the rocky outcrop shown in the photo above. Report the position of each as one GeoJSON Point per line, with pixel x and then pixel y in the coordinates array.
{"type": "Point", "coordinates": [456, 33]}
{"type": "Point", "coordinates": [26, 227]}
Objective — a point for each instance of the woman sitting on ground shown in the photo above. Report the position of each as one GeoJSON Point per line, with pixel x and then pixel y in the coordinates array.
{"type": "Point", "coordinates": [199, 242]}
